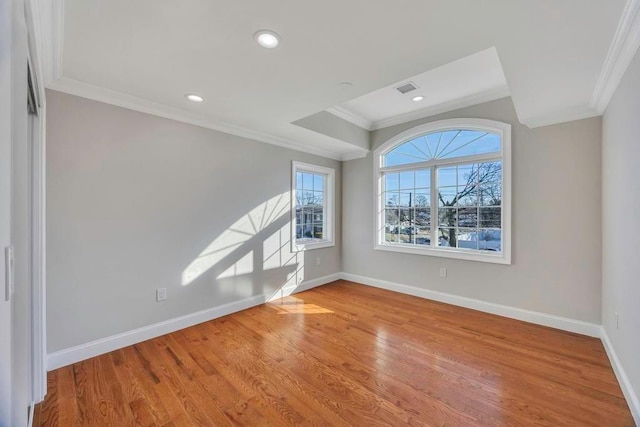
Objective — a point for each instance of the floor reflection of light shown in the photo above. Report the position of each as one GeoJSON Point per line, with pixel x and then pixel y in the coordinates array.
{"type": "Point", "coordinates": [293, 305]}
{"type": "Point", "coordinates": [233, 237]}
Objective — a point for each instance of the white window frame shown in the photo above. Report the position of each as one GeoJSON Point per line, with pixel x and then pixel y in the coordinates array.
{"type": "Point", "coordinates": [499, 128]}
{"type": "Point", "coordinates": [328, 208]}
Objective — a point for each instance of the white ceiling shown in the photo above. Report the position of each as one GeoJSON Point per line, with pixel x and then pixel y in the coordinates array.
{"type": "Point", "coordinates": [147, 54]}
{"type": "Point", "coordinates": [466, 81]}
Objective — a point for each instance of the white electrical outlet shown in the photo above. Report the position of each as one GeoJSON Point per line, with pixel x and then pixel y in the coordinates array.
{"type": "Point", "coordinates": [161, 294]}
{"type": "Point", "coordinates": [299, 279]}
{"type": "Point", "coordinates": [318, 261]}
{"type": "Point", "coordinates": [443, 271]}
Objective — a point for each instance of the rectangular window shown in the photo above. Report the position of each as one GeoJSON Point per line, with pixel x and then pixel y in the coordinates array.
{"type": "Point", "coordinates": [313, 189]}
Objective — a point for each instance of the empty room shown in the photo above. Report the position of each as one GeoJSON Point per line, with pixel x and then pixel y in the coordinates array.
{"type": "Point", "coordinates": [272, 213]}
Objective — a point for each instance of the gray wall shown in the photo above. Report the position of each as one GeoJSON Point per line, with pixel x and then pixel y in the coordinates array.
{"type": "Point", "coordinates": [620, 213]}
{"type": "Point", "coordinates": [134, 199]}
{"type": "Point", "coordinates": [556, 230]}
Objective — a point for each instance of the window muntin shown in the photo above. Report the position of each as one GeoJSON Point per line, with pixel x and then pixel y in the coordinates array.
{"type": "Point", "coordinates": [312, 210]}
{"type": "Point", "coordinates": [467, 213]}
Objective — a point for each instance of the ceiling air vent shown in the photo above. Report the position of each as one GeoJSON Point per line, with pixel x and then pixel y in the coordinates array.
{"type": "Point", "coordinates": [407, 87]}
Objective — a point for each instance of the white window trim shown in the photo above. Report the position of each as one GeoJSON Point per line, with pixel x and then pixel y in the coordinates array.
{"type": "Point", "coordinates": [328, 208]}
{"type": "Point", "coordinates": [502, 129]}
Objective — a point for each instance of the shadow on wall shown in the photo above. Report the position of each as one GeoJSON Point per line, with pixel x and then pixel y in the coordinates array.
{"type": "Point", "coordinates": [253, 256]}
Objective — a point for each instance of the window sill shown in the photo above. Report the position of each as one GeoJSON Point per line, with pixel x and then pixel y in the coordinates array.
{"type": "Point", "coordinates": [312, 244]}
{"type": "Point", "coordinates": [502, 258]}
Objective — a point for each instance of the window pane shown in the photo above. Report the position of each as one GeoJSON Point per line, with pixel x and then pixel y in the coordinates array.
{"type": "Point", "coordinates": [422, 218]}
{"type": "Point", "coordinates": [490, 194]}
{"type": "Point", "coordinates": [467, 196]}
{"type": "Point", "coordinates": [490, 217]}
{"type": "Point", "coordinates": [392, 181]}
{"type": "Point", "coordinates": [490, 172]}
{"type": "Point", "coordinates": [467, 238]}
{"type": "Point", "coordinates": [422, 199]}
{"type": "Point", "coordinates": [318, 198]}
{"type": "Point", "coordinates": [304, 197]}
{"type": "Point", "coordinates": [299, 180]}
{"type": "Point", "coordinates": [392, 225]}
{"type": "Point", "coordinates": [448, 138]}
{"type": "Point", "coordinates": [317, 231]}
{"type": "Point", "coordinates": [392, 199]}
{"type": "Point", "coordinates": [423, 238]}
{"type": "Point", "coordinates": [404, 235]}
{"type": "Point", "coordinates": [470, 142]}
{"type": "Point", "coordinates": [490, 240]}
{"type": "Point", "coordinates": [468, 217]}
{"type": "Point", "coordinates": [413, 151]}
{"type": "Point", "coordinates": [298, 232]}
{"type": "Point", "coordinates": [447, 217]}
{"type": "Point", "coordinates": [318, 183]}
{"type": "Point", "coordinates": [467, 174]}
{"type": "Point", "coordinates": [447, 177]}
{"type": "Point", "coordinates": [447, 237]}
{"type": "Point", "coordinates": [406, 199]}
{"type": "Point", "coordinates": [423, 178]}
{"type": "Point", "coordinates": [446, 196]}
{"type": "Point", "coordinates": [407, 180]}
{"type": "Point", "coordinates": [405, 216]}
{"type": "Point", "coordinates": [307, 181]}
{"type": "Point", "coordinates": [317, 215]}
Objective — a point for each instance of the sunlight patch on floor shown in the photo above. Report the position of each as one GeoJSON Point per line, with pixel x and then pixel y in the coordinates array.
{"type": "Point", "coordinates": [293, 305]}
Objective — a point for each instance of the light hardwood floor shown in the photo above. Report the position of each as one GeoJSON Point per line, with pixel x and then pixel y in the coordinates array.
{"type": "Point", "coordinates": [345, 354]}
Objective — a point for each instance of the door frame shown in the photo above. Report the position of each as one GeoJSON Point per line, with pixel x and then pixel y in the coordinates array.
{"type": "Point", "coordinates": [37, 261]}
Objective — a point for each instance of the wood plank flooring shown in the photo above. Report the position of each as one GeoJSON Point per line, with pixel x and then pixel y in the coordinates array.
{"type": "Point", "coordinates": [345, 354]}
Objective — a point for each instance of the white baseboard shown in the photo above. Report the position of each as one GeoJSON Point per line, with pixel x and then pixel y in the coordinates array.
{"type": "Point", "coordinates": [81, 352]}
{"type": "Point", "coordinates": [563, 323]}
{"type": "Point", "coordinates": [625, 384]}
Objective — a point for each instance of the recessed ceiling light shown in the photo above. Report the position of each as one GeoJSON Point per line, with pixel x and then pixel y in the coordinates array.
{"type": "Point", "coordinates": [194, 98]}
{"type": "Point", "coordinates": [417, 98]}
{"type": "Point", "coordinates": [346, 84]}
{"type": "Point", "coordinates": [267, 39]}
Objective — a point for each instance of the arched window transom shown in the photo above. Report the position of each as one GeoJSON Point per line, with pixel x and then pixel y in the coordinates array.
{"type": "Point", "coordinates": [444, 144]}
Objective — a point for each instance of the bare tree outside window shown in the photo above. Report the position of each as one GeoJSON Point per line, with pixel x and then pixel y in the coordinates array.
{"type": "Point", "coordinates": [469, 207]}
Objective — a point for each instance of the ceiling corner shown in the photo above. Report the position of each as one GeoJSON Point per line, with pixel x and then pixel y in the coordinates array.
{"type": "Point", "coordinates": [351, 117]}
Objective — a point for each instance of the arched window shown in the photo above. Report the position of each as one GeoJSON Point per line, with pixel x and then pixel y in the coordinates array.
{"type": "Point", "coordinates": [443, 189]}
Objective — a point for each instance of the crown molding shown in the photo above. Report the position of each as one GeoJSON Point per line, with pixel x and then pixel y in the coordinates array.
{"type": "Point", "coordinates": [623, 47]}
{"type": "Point", "coordinates": [108, 96]}
{"type": "Point", "coordinates": [554, 118]}
{"type": "Point", "coordinates": [467, 101]}
{"type": "Point", "coordinates": [350, 116]}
